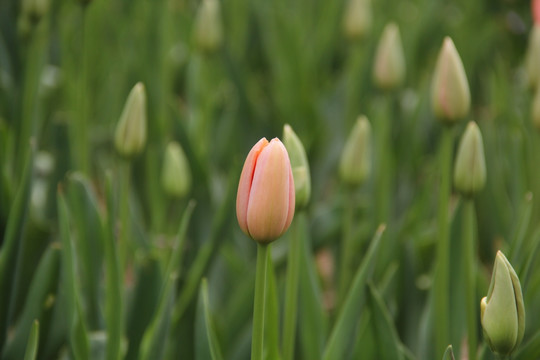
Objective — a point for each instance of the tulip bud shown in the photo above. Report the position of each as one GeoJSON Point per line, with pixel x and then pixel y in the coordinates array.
{"type": "Point", "coordinates": [470, 168]}
{"type": "Point", "coordinates": [389, 66]}
{"type": "Point", "coordinates": [130, 136]}
{"type": "Point", "coordinates": [176, 175]}
{"type": "Point", "coordinates": [208, 27]}
{"type": "Point", "coordinates": [535, 110]}
{"type": "Point", "coordinates": [451, 98]}
{"type": "Point", "coordinates": [357, 19]}
{"type": "Point", "coordinates": [502, 310]}
{"type": "Point", "coordinates": [265, 199]}
{"type": "Point", "coordinates": [299, 165]}
{"type": "Point", "coordinates": [355, 164]}
{"type": "Point", "coordinates": [532, 58]}
{"type": "Point", "coordinates": [34, 10]}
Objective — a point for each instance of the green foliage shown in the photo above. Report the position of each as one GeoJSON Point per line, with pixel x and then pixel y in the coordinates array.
{"type": "Point", "coordinates": [97, 252]}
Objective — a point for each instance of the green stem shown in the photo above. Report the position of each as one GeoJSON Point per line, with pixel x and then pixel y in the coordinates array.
{"type": "Point", "coordinates": [291, 292]}
{"type": "Point", "coordinates": [347, 249]}
{"type": "Point", "coordinates": [125, 171]}
{"type": "Point", "coordinates": [469, 245]}
{"type": "Point", "coordinates": [257, 340]}
{"type": "Point", "coordinates": [385, 160]}
{"type": "Point", "coordinates": [81, 128]}
{"type": "Point", "coordinates": [442, 277]}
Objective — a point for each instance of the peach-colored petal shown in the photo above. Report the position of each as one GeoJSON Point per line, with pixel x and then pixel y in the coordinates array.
{"type": "Point", "coordinates": [536, 11]}
{"type": "Point", "coordinates": [269, 196]}
{"type": "Point", "coordinates": [244, 185]}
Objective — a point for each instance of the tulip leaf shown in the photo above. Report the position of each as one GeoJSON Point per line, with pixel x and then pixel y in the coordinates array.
{"type": "Point", "coordinates": [312, 320]}
{"type": "Point", "coordinates": [449, 353]}
{"type": "Point", "coordinates": [43, 284]}
{"type": "Point", "coordinates": [207, 345]}
{"type": "Point", "coordinates": [388, 343]}
{"type": "Point", "coordinates": [347, 320]}
{"type": "Point", "coordinates": [77, 330]}
{"type": "Point", "coordinates": [529, 350]}
{"type": "Point", "coordinates": [33, 341]}
{"type": "Point", "coordinates": [520, 231]}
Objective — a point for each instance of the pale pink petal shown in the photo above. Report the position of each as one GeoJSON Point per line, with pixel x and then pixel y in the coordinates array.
{"type": "Point", "coordinates": [244, 185]}
{"type": "Point", "coordinates": [269, 196]}
{"type": "Point", "coordinates": [536, 11]}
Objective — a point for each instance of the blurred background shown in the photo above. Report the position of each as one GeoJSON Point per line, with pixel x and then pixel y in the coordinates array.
{"type": "Point", "coordinates": [66, 70]}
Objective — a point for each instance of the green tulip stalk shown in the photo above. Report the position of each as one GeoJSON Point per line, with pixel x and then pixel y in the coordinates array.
{"type": "Point", "coordinates": [451, 100]}
{"type": "Point", "coordinates": [469, 179]}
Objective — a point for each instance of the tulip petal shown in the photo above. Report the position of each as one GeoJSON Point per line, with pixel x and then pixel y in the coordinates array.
{"type": "Point", "coordinates": [244, 185]}
{"type": "Point", "coordinates": [268, 206]}
{"type": "Point", "coordinates": [292, 201]}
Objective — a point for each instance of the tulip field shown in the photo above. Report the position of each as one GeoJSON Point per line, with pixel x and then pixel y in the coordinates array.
{"type": "Point", "coordinates": [269, 180]}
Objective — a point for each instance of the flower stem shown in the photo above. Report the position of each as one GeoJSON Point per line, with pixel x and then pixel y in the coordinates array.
{"type": "Point", "coordinates": [469, 244]}
{"type": "Point", "coordinates": [442, 277]}
{"type": "Point", "coordinates": [257, 339]}
{"type": "Point", "coordinates": [291, 291]}
{"type": "Point", "coordinates": [125, 170]}
{"type": "Point", "coordinates": [347, 249]}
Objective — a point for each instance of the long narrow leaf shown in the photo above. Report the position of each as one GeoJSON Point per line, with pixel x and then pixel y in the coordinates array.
{"type": "Point", "coordinates": [33, 341]}
{"type": "Point", "coordinates": [207, 345]}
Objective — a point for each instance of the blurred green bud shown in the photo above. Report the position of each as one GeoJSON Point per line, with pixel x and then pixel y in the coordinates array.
{"type": "Point", "coordinates": [389, 65]}
{"type": "Point", "coordinates": [470, 167]}
{"type": "Point", "coordinates": [130, 136]}
{"type": "Point", "coordinates": [532, 59]}
{"type": "Point", "coordinates": [355, 164]}
{"type": "Point", "coordinates": [502, 310]}
{"type": "Point", "coordinates": [535, 111]}
{"type": "Point", "coordinates": [176, 175]}
{"type": "Point", "coordinates": [34, 10]}
{"type": "Point", "coordinates": [208, 27]}
{"type": "Point", "coordinates": [357, 19]}
{"type": "Point", "coordinates": [299, 165]}
{"type": "Point", "coordinates": [450, 95]}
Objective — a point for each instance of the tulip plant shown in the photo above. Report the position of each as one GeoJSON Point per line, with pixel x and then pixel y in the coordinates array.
{"type": "Point", "coordinates": [394, 210]}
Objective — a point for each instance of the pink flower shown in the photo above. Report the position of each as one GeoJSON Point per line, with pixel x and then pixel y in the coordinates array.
{"type": "Point", "coordinates": [265, 199]}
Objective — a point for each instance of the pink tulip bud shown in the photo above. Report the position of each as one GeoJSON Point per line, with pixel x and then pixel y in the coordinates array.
{"type": "Point", "coordinates": [265, 199]}
{"type": "Point", "coordinates": [536, 11]}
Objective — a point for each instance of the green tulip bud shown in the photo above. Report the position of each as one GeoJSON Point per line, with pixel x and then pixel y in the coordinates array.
{"type": "Point", "coordinates": [532, 59]}
{"type": "Point", "coordinates": [34, 10]}
{"type": "Point", "coordinates": [299, 165]}
{"type": "Point", "coordinates": [502, 310]}
{"type": "Point", "coordinates": [450, 95]}
{"type": "Point", "coordinates": [208, 26]}
{"type": "Point", "coordinates": [176, 174]}
{"type": "Point", "coordinates": [130, 136]}
{"type": "Point", "coordinates": [389, 65]}
{"type": "Point", "coordinates": [535, 110]}
{"type": "Point", "coordinates": [357, 19]}
{"type": "Point", "coordinates": [355, 164]}
{"type": "Point", "coordinates": [470, 167]}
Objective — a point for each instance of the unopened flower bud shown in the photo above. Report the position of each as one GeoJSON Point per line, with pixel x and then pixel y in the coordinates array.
{"type": "Point", "coordinates": [130, 136]}
{"type": "Point", "coordinates": [355, 164]}
{"type": "Point", "coordinates": [176, 175]}
{"type": "Point", "coordinates": [266, 196]}
{"type": "Point", "coordinates": [357, 19]}
{"type": "Point", "coordinates": [299, 165]}
{"type": "Point", "coordinates": [535, 4]}
{"type": "Point", "coordinates": [502, 310]}
{"type": "Point", "coordinates": [208, 26]}
{"type": "Point", "coordinates": [389, 65]}
{"type": "Point", "coordinates": [34, 10]}
{"type": "Point", "coordinates": [470, 167]}
{"type": "Point", "coordinates": [450, 95]}
{"type": "Point", "coordinates": [532, 58]}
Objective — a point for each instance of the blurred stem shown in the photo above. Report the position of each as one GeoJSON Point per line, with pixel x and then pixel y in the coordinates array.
{"type": "Point", "coordinates": [80, 134]}
{"type": "Point", "coordinates": [291, 292]}
{"type": "Point", "coordinates": [353, 77]}
{"type": "Point", "coordinates": [385, 159]}
{"type": "Point", "coordinates": [442, 278]}
{"type": "Point", "coordinates": [347, 247]}
{"type": "Point", "coordinates": [257, 340]}
{"type": "Point", "coordinates": [125, 172]}
{"type": "Point", "coordinates": [469, 245]}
